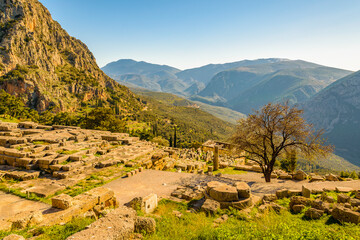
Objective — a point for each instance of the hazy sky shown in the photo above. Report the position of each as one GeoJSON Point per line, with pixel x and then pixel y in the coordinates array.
{"type": "Point", "coordinates": [191, 33]}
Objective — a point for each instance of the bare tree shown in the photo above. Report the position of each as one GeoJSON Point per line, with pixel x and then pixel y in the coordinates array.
{"type": "Point", "coordinates": [274, 130]}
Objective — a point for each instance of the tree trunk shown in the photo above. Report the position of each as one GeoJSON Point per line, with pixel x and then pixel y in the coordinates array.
{"type": "Point", "coordinates": [267, 175]}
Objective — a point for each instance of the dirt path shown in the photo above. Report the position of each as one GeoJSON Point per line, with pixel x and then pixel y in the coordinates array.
{"type": "Point", "coordinates": [164, 183]}
{"type": "Point", "coordinates": [147, 182]}
{"type": "Point", "coordinates": [11, 205]}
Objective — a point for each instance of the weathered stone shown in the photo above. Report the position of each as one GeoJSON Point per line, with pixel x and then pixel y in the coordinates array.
{"type": "Point", "coordinates": [14, 237]}
{"type": "Point", "coordinates": [293, 192]}
{"type": "Point", "coordinates": [62, 201]}
{"type": "Point", "coordinates": [300, 175]}
{"type": "Point", "coordinates": [243, 189]}
{"type": "Point", "coordinates": [283, 193]}
{"type": "Point", "coordinates": [331, 177]}
{"type": "Point", "coordinates": [345, 215]}
{"type": "Point", "coordinates": [316, 178]}
{"type": "Point", "coordinates": [145, 224]}
{"type": "Point", "coordinates": [210, 206]}
{"type": "Point", "coordinates": [318, 204]}
{"type": "Point", "coordinates": [118, 224]}
{"type": "Point", "coordinates": [269, 198]}
{"type": "Point", "coordinates": [343, 198]}
{"type": "Point", "coordinates": [299, 200]}
{"type": "Point", "coordinates": [355, 202]}
{"type": "Point", "coordinates": [344, 189]}
{"type": "Point", "coordinates": [298, 208]}
{"type": "Point", "coordinates": [306, 192]}
{"type": "Point", "coordinates": [224, 193]}
{"type": "Point", "coordinates": [285, 176]}
{"type": "Point", "coordinates": [314, 213]}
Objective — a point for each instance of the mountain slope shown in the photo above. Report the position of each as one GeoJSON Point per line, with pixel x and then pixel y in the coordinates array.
{"type": "Point", "coordinates": [150, 76]}
{"type": "Point", "coordinates": [249, 87]}
{"type": "Point", "coordinates": [205, 73]}
{"type": "Point", "coordinates": [225, 114]}
{"type": "Point", "coordinates": [337, 110]}
{"type": "Point", "coordinates": [46, 67]}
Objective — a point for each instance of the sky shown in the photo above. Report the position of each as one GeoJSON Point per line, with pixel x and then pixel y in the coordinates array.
{"type": "Point", "coordinates": [191, 33]}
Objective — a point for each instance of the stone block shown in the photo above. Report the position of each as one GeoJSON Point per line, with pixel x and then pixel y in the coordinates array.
{"type": "Point", "coordinates": [101, 193]}
{"type": "Point", "coordinates": [149, 203]}
{"type": "Point", "coordinates": [343, 198]}
{"type": "Point", "coordinates": [345, 215]}
{"type": "Point", "coordinates": [314, 213]}
{"type": "Point", "coordinates": [283, 193]}
{"type": "Point", "coordinates": [210, 206]}
{"type": "Point", "coordinates": [306, 192]}
{"type": "Point", "coordinates": [145, 224]}
{"type": "Point", "coordinates": [224, 193]}
{"type": "Point", "coordinates": [243, 189]}
{"type": "Point", "coordinates": [300, 175]}
{"type": "Point", "coordinates": [62, 201]}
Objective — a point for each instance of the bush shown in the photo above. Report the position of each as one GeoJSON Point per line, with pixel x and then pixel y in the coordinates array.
{"type": "Point", "coordinates": [161, 141]}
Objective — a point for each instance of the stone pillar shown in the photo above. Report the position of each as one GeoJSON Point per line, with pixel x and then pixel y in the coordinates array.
{"type": "Point", "coordinates": [216, 158]}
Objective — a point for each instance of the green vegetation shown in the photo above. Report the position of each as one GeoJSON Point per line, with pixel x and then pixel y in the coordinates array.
{"type": "Point", "coordinates": [229, 170]}
{"type": "Point", "coordinates": [246, 226]}
{"type": "Point", "coordinates": [68, 152]}
{"type": "Point", "coordinates": [57, 232]}
{"type": "Point", "coordinates": [223, 113]}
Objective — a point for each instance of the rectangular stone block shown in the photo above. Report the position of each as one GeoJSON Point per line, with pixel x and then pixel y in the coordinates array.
{"type": "Point", "coordinates": [149, 203]}
{"type": "Point", "coordinates": [103, 194]}
{"type": "Point", "coordinates": [62, 201]}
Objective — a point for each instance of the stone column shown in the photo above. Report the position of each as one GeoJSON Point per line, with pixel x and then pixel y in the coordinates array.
{"type": "Point", "coordinates": [216, 158]}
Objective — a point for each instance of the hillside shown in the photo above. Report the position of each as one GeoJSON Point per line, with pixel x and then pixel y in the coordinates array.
{"type": "Point", "coordinates": [250, 87]}
{"type": "Point", "coordinates": [337, 110]}
{"type": "Point", "coordinates": [47, 68]}
{"type": "Point", "coordinates": [225, 114]}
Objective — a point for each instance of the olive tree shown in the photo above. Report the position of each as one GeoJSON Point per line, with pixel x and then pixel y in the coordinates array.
{"type": "Point", "coordinates": [273, 131]}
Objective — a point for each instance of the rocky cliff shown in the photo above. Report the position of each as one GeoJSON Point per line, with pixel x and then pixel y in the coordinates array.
{"type": "Point", "coordinates": [336, 109]}
{"type": "Point", "coordinates": [46, 67]}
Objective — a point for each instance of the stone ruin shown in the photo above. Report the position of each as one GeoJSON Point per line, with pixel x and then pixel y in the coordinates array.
{"type": "Point", "coordinates": [344, 208]}
{"type": "Point", "coordinates": [221, 195]}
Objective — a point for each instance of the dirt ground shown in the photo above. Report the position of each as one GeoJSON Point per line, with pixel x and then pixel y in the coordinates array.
{"type": "Point", "coordinates": [164, 183]}
{"type": "Point", "coordinates": [11, 205]}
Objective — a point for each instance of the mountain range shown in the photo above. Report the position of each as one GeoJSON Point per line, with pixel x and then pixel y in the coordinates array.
{"type": "Point", "coordinates": [329, 96]}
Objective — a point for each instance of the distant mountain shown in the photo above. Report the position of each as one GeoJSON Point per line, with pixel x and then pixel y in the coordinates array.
{"type": "Point", "coordinates": [250, 87]}
{"type": "Point", "coordinates": [337, 110]}
{"type": "Point", "coordinates": [129, 66]}
{"type": "Point", "coordinates": [164, 78]}
{"type": "Point", "coordinates": [150, 76]}
{"type": "Point", "coordinates": [205, 73]}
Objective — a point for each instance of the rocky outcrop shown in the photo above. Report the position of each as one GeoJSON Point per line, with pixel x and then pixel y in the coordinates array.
{"type": "Point", "coordinates": [337, 109]}
{"type": "Point", "coordinates": [46, 67]}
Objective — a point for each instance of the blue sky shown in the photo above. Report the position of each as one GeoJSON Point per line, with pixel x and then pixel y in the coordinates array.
{"type": "Point", "coordinates": [192, 33]}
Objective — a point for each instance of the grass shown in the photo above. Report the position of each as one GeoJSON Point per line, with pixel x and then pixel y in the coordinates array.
{"type": "Point", "coordinates": [68, 152]}
{"type": "Point", "coordinates": [57, 232]}
{"type": "Point", "coordinates": [269, 226]}
{"type": "Point", "coordinates": [40, 143]}
{"type": "Point", "coordinates": [17, 192]}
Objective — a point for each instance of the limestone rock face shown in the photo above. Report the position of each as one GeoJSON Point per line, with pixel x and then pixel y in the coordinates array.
{"type": "Point", "coordinates": [336, 109]}
{"type": "Point", "coordinates": [46, 67]}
